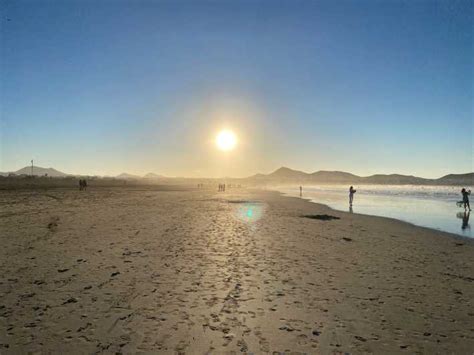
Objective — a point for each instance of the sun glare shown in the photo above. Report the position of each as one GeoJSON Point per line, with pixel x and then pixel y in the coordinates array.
{"type": "Point", "coordinates": [226, 140]}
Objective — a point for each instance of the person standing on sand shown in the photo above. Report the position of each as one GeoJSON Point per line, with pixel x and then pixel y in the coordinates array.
{"type": "Point", "coordinates": [352, 191]}
{"type": "Point", "coordinates": [301, 191]}
{"type": "Point", "coordinates": [465, 198]}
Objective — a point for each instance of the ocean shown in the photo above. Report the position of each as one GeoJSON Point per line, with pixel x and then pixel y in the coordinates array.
{"type": "Point", "coordinates": [428, 206]}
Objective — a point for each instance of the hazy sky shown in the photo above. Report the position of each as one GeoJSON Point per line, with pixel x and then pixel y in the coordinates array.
{"type": "Point", "coordinates": [103, 87]}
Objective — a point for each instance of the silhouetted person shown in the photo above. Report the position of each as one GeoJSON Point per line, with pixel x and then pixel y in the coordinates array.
{"type": "Point", "coordinates": [352, 191]}
{"type": "Point", "coordinates": [84, 184]}
{"type": "Point", "coordinates": [301, 191]}
{"type": "Point", "coordinates": [80, 185]}
{"type": "Point", "coordinates": [465, 198]}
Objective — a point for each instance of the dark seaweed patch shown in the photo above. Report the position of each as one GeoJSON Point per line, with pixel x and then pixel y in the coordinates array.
{"type": "Point", "coordinates": [321, 217]}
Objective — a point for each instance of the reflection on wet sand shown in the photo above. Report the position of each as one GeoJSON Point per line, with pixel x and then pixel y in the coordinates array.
{"type": "Point", "coordinates": [432, 207]}
{"type": "Point", "coordinates": [465, 219]}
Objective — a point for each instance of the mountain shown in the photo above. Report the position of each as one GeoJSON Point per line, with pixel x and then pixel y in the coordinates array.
{"type": "Point", "coordinates": [395, 179]}
{"type": "Point", "coordinates": [285, 175]}
{"type": "Point", "coordinates": [128, 176]}
{"type": "Point", "coordinates": [39, 171]}
{"type": "Point", "coordinates": [153, 176]}
{"type": "Point", "coordinates": [334, 177]}
{"type": "Point", "coordinates": [282, 175]}
{"type": "Point", "coordinates": [256, 177]}
{"type": "Point", "coordinates": [457, 179]}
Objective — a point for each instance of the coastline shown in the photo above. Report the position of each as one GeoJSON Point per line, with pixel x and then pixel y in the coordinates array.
{"type": "Point", "coordinates": [438, 221]}
{"type": "Point", "coordinates": [438, 231]}
{"type": "Point", "coordinates": [155, 270]}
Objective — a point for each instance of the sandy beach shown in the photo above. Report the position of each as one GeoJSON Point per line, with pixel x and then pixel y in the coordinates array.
{"type": "Point", "coordinates": [150, 270]}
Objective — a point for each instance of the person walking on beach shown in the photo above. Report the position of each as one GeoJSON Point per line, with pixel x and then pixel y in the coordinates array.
{"type": "Point", "coordinates": [352, 191]}
{"type": "Point", "coordinates": [465, 198]}
{"type": "Point", "coordinates": [301, 191]}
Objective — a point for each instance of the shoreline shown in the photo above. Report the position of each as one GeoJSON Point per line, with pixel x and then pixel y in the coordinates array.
{"type": "Point", "coordinates": [372, 215]}
{"type": "Point", "coordinates": [439, 231]}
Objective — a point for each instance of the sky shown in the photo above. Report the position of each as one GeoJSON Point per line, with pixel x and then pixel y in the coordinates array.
{"type": "Point", "coordinates": [366, 86]}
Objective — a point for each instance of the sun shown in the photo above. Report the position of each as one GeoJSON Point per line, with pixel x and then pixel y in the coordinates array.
{"type": "Point", "coordinates": [226, 140]}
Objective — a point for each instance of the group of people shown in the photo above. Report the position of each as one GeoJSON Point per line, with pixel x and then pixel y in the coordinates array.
{"type": "Point", "coordinates": [82, 184]}
{"type": "Point", "coordinates": [221, 188]}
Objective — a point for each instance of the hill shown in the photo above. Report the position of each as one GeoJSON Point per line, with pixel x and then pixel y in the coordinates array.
{"type": "Point", "coordinates": [457, 179]}
{"type": "Point", "coordinates": [335, 177]}
{"type": "Point", "coordinates": [286, 175]}
{"type": "Point", "coordinates": [153, 176]}
{"type": "Point", "coordinates": [38, 171]}
{"type": "Point", "coordinates": [395, 179]}
{"type": "Point", "coordinates": [128, 176]}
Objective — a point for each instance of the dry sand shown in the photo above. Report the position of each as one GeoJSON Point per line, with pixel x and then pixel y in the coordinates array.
{"type": "Point", "coordinates": [142, 270]}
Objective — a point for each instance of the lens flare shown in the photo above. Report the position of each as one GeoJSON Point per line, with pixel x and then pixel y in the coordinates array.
{"type": "Point", "coordinates": [250, 212]}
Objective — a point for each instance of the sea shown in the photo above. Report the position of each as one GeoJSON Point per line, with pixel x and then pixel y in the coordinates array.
{"type": "Point", "coordinates": [428, 206]}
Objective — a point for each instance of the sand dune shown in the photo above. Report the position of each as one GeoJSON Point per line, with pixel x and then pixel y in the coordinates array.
{"type": "Point", "coordinates": [144, 270]}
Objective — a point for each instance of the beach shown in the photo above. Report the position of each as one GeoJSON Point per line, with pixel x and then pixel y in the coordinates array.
{"type": "Point", "coordinates": [180, 270]}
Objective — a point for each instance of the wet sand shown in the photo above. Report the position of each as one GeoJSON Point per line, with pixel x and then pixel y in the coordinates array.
{"type": "Point", "coordinates": [143, 270]}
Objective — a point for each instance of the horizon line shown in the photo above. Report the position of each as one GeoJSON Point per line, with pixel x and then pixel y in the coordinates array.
{"type": "Point", "coordinates": [233, 177]}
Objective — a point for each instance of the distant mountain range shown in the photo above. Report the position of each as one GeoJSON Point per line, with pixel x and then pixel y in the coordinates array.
{"type": "Point", "coordinates": [146, 176]}
{"type": "Point", "coordinates": [38, 171]}
{"type": "Point", "coordinates": [286, 176]}
{"type": "Point", "coordinates": [128, 176]}
{"type": "Point", "coordinates": [153, 176]}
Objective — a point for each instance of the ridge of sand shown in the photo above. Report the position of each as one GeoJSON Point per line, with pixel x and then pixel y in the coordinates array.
{"type": "Point", "coordinates": [143, 270]}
